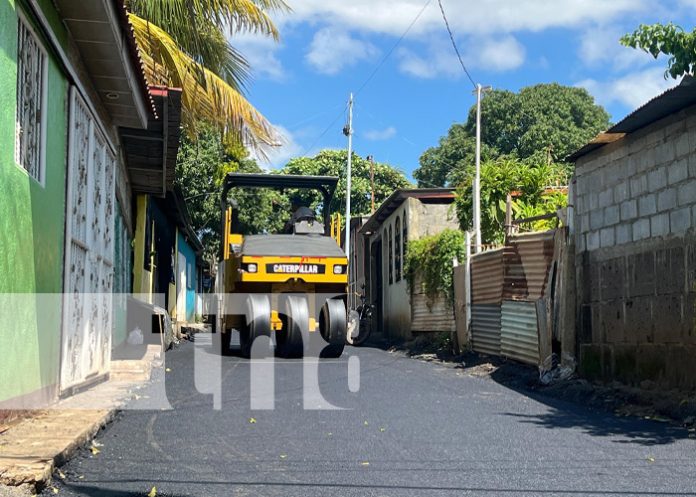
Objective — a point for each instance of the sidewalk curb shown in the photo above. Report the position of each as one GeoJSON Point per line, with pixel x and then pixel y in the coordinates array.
{"type": "Point", "coordinates": [31, 450]}
{"type": "Point", "coordinates": [37, 473]}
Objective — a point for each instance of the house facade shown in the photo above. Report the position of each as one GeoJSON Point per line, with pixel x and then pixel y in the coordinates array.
{"type": "Point", "coordinates": [635, 205]}
{"type": "Point", "coordinates": [76, 114]}
{"type": "Point", "coordinates": [167, 255]}
{"type": "Point", "coordinates": [400, 308]}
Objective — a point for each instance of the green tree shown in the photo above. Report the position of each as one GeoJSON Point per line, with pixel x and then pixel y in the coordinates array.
{"type": "Point", "coordinates": [259, 210]}
{"type": "Point", "coordinates": [202, 164]}
{"type": "Point", "coordinates": [529, 181]}
{"type": "Point", "coordinates": [544, 122]}
{"type": "Point", "coordinates": [443, 164]}
{"type": "Point", "coordinates": [197, 167]}
{"type": "Point", "coordinates": [333, 163]}
{"type": "Point", "coordinates": [668, 39]}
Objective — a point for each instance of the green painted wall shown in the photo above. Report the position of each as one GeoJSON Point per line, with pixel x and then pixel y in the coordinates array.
{"type": "Point", "coordinates": [123, 269]}
{"type": "Point", "coordinates": [32, 219]}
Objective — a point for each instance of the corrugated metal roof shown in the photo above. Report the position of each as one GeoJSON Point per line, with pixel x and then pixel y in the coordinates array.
{"type": "Point", "coordinates": [397, 198]}
{"type": "Point", "coordinates": [487, 277]}
{"type": "Point", "coordinates": [665, 104]}
{"type": "Point", "coordinates": [519, 335]}
{"type": "Point", "coordinates": [528, 258]}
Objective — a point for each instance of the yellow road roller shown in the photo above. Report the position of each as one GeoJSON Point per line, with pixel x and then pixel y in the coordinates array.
{"type": "Point", "coordinates": [289, 286]}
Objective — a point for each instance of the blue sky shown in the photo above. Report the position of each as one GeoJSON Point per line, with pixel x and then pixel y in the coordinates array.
{"type": "Point", "coordinates": [330, 47]}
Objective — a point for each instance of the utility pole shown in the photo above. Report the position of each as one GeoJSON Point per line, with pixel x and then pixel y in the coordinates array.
{"type": "Point", "coordinates": [372, 182]}
{"type": "Point", "coordinates": [477, 179]}
{"type": "Point", "coordinates": [348, 131]}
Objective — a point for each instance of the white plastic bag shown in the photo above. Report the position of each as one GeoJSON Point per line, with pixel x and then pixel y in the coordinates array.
{"type": "Point", "coordinates": [135, 337]}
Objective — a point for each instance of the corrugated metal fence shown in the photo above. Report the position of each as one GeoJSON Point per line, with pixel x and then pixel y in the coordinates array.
{"type": "Point", "coordinates": [427, 313]}
{"type": "Point", "coordinates": [506, 285]}
{"type": "Point", "coordinates": [487, 280]}
{"type": "Point", "coordinates": [519, 334]}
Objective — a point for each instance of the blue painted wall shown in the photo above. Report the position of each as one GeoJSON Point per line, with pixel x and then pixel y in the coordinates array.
{"type": "Point", "coordinates": [192, 277]}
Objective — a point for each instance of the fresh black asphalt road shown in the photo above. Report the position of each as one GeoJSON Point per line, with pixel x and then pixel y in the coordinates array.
{"type": "Point", "coordinates": [413, 428]}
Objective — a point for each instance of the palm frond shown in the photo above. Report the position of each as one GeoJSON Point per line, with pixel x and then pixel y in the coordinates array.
{"type": "Point", "coordinates": [205, 95]}
{"type": "Point", "coordinates": [179, 17]}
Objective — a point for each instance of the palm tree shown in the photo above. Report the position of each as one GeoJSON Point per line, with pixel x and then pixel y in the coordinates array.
{"type": "Point", "coordinates": [183, 44]}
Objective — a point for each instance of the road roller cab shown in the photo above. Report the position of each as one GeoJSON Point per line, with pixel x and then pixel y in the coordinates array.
{"type": "Point", "coordinates": [289, 286]}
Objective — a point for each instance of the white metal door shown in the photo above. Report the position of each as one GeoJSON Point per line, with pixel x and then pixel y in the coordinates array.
{"type": "Point", "coordinates": [87, 308]}
{"type": "Point", "coordinates": [181, 288]}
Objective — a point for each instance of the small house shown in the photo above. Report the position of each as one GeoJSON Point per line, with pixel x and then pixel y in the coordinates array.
{"type": "Point", "coordinates": [401, 308]}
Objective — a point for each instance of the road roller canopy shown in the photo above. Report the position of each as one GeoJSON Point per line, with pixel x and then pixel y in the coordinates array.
{"type": "Point", "coordinates": [326, 185]}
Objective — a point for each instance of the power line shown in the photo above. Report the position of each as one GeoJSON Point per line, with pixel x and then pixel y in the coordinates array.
{"type": "Point", "coordinates": [454, 44]}
{"type": "Point", "coordinates": [312, 118]}
{"type": "Point", "coordinates": [391, 51]}
{"type": "Point", "coordinates": [372, 74]}
{"type": "Point", "coordinates": [326, 130]}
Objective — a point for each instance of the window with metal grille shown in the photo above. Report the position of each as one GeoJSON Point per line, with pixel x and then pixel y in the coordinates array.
{"type": "Point", "coordinates": [397, 248]}
{"type": "Point", "coordinates": [391, 257]}
{"type": "Point", "coordinates": [30, 119]}
{"type": "Point", "coordinates": [404, 237]}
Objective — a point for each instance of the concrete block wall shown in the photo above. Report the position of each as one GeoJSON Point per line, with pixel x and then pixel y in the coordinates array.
{"type": "Point", "coordinates": [635, 210]}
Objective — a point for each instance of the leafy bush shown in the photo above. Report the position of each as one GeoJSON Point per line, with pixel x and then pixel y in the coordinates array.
{"type": "Point", "coordinates": [528, 179]}
{"type": "Point", "coordinates": [432, 257]}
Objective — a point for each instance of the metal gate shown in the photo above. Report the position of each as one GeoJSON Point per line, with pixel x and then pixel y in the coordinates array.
{"type": "Point", "coordinates": [88, 279]}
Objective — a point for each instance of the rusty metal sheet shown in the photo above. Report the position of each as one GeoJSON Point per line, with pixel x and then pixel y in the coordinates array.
{"type": "Point", "coordinates": [519, 334]}
{"type": "Point", "coordinates": [435, 315]}
{"type": "Point", "coordinates": [528, 259]}
{"type": "Point", "coordinates": [485, 328]}
{"type": "Point", "coordinates": [487, 277]}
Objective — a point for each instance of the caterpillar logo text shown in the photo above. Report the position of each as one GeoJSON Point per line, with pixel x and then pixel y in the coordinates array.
{"type": "Point", "coordinates": [295, 268]}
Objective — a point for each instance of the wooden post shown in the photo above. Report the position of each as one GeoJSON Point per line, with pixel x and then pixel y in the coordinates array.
{"type": "Point", "coordinates": [467, 288]}
{"type": "Point", "coordinates": [508, 216]}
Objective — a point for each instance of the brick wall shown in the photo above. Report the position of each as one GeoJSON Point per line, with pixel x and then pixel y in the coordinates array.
{"type": "Point", "coordinates": [636, 255]}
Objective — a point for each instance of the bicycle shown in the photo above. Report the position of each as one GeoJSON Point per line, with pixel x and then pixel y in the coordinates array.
{"type": "Point", "coordinates": [360, 321]}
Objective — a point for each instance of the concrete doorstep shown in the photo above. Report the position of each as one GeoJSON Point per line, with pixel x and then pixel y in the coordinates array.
{"type": "Point", "coordinates": [33, 447]}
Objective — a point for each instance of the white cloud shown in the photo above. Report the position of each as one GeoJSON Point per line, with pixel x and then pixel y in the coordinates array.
{"type": "Point", "coordinates": [380, 134]}
{"type": "Point", "coordinates": [439, 61]}
{"type": "Point", "coordinates": [496, 55]}
{"type": "Point", "coordinates": [260, 52]}
{"type": "Point", "coordinates": [279, 156]}
{"type": "Point", "coordinates": [632, 90]}
{"type": "Point", "coordinates": [483, 17]}
{"type": "Point", "coordinates": [500, 54]}
{"type": "Point", "coordinates": [600, 47]}
{"type": "Point", "coordinates": [332, 50]}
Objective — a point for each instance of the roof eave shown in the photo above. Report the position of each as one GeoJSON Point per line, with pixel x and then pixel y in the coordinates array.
{"type": "Point", "coordinates": [105, 40]}
{"type": "Point", "coordinates": [151, 153]}
{"type": "Point", "coordinates": [667, 103]}
{"type": "Point", "coordinates": [397, 198]}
